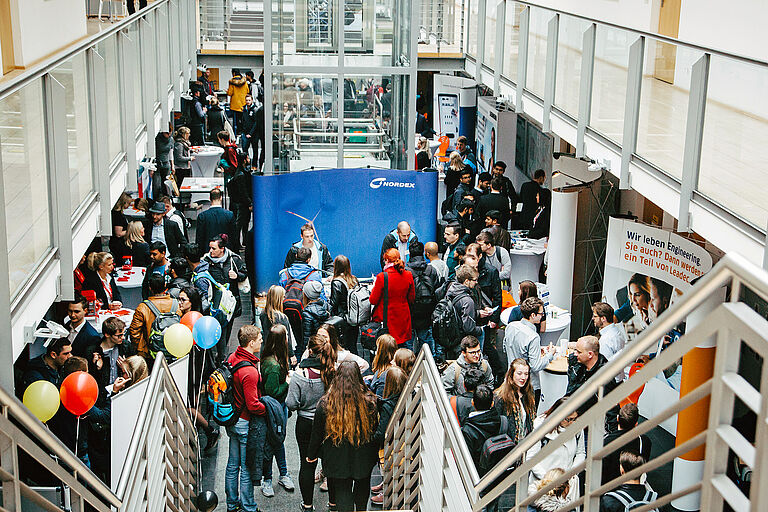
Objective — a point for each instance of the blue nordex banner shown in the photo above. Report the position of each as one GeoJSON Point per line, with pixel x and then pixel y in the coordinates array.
{"type": "Point", "coordinates": [352, 210]}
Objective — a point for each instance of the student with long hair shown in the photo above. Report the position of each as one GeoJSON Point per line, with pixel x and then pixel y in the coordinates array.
{"type": "Point", "coordinates": [331, 335]}
{"type": "Point", "coordinates": [555, 498]}
{"type": "Point", "coordinates": [273, 315]}
{"type": "Point", "coordinates": [342, 282]}
{"type": "Point", "coordinates": [527, 289]}
{"type": "Point", "coordinates": [404, 359]}
{"type": "Point", "coordinates": [382, 361]}
{"type": "Point", "coordinates": [569, 453]}
{"type": "Point", "coordinates": [400, 291]}
{"type": "Point", "coordinates": [393, 388]}
{"type": "Point", "coordinates": [343, 436]}
{"type": "Point", "coordinates": [515, 400]}
{"type": "Point", "coordinates": [307, 385]}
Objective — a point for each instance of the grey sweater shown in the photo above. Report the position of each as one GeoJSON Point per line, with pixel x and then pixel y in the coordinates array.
{"type": "Point", "coordinates": [304, 393]}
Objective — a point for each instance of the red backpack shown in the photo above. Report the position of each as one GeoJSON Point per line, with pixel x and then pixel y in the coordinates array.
{"type": "Point", "coordinates": [293, 303]}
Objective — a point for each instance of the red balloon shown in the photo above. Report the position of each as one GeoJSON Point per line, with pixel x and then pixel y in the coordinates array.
{"type": "Point", "coordinates": [79, 392]}
{"type": "Point", "coordinates": [190, 318]}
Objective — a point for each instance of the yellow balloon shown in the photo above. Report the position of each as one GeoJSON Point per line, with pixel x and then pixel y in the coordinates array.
{"type": "Point", "coordinates": [42, 399]}
{"type": "Point", "coordinates": [178, 340]}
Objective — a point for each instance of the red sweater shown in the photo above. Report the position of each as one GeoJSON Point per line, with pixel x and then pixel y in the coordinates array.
{"type": "Point", "coordinates": [246, 380]}
{"type": "Point", "coordinates": [401, 293]}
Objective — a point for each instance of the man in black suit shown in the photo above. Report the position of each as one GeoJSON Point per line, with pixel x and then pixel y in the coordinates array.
{"type": "Point", "coordinates": [529, 195]}
{"type": "Point", "coordinates": [215, 221]}
{"type": "Point", "coordinates": [496, 200]}
{"type": "Point", "coordinates": [507, 188]}
{"type": "Point", "coordinates": [81, 334]}
{"type": "Point", "coordinates": [159, 228]}
{"type": "Point", "coordinates": [641, 445]}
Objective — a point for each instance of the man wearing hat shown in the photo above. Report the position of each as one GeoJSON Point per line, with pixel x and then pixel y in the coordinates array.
{"type": "Point", "coordinates": [158, 228]}
{"type": "Point", "coordinates": [205, 80]}
{"type": "Point", "coordinates": [315, 312]}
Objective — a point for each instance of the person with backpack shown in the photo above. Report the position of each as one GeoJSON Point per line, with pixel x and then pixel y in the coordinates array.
{"type": "Point", "coordinates": [569, 453]}
{"type": "Point", "coordinates": [250, 425]}
{"type": "Point", "coordinates": [314, 312]}
{"type": "Point", "coordinates": [319, 257]}
{"type": "Point", "coordinates": [631, 494]}
{"type": "Point", "coordinates": [425, 280]}
{"type": "Point", "coordinates": [293, 280]}
{"type": "Point", "coordinates": [307, 386]}
{"type": "Point", "coordinates": [274, 369]}
{"type": "Point", "coordinates": [145, 332]}
{"type": "Point", "coordinates": [481, 424]}
{"type": "Point", "coordinates": [471, 357]}
{"type": "Point", "coordinates": [394, 291]}
{"type": "Point", "coordinates": [342, 284]}
{"type": "Point", "coordinates": [515, 400]}
{"type": "Point", "coordinates": [454, 315]}
{"type": "Point", "coordinates": [461, 405]}
{"type": "Point", "coordinates": [272, 314]}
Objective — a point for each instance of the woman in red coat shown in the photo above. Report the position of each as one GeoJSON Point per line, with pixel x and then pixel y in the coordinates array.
{"type": "Point", "coordinates": [402, 292]}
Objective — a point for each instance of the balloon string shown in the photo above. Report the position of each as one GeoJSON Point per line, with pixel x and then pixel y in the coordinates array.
{"type": "Point", "coordinates": [77, 435]}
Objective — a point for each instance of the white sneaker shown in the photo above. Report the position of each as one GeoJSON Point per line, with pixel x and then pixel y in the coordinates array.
{"type": "Point", "coordinates": [267, 489]}
{"type": "Point", "coordinates": [287, 483]}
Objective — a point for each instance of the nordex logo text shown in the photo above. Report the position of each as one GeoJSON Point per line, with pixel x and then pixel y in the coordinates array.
{"type": "Point", "coordinates": [382, 182]}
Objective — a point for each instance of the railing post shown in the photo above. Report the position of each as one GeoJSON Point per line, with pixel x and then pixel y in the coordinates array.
{"type": "Point", "coordinates": [631, 109]}
{"type": "Point", "coordinates": [58, 167]}
{"type": "Point", "coordinates": [550, 73]}
{"type": "Point", "coordinates": [522, 58]}
{"type": "Point", "coordinates": [694, 137]}
{"type": "Point", "coordinates": [148, 67]}
{"type": "Point", "coordinates": [585, 87]}
{"type": "Point", "coordinates": [594, 467]}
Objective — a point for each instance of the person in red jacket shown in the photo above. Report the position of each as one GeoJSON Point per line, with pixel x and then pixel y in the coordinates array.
{"type": "Point", "coordinates": [401, 293]}
{"type": "Point", "coordinates": [239, 477]}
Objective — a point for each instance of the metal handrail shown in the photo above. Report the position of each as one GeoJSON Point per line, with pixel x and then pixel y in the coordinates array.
{"type": "Point", "coordinates": [57, 448]}
{"type": "Point", "coordinates": [11, 85]}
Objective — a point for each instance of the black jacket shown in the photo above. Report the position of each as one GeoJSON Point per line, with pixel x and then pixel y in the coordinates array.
{"type": "Point", "coordinates": [38, 370]}
{"type": "Point", "coordinates": [611, 504]}
{"type": "Point", "coordinates": [216, 118]}
{"type": "Point", "coordinates": [386, 407]}
{"type": "Point", "coordinates": [390, 242]}
{"type": "Point", "coordinates": [87, 336]}
{"type": "Point", "coordinates": [151, 270]}
{"type": "Point", "coordinates": [461, 191]}
{"type": "Point", "coordinates": [326, 262]}
{"type": "Point", "coordinates": [93, 282]}
{"type": "Point", "coordinates": [463, 407]}
{"type": "Point", "coordinates": [421, 313]}
{"type": "Point", "coordinates": [125, 349]}
{"type": "Point", "coordinates": [337, 302]}
{"type": "Point", "coordinates": [343, 460]}
{"type": "Point", "coordinates": [641, 445]}
{"type": "Point", "coordinates": [213, 222]}
{"type": "Point", "coordinates": [494, 201]}
{"type": "Point", "coordinates": [508, 189]}
{"type": "Point", "coordinates": [220, 272]}
{"type": "Point", "coordinates": [464, 304]}
{"type": "Point", "coordinates": [249, 122]}
{"type": "Point", "coordinates": [578, 375]}
{"type": "Point", "coordinates": [490, 284]}
{"type": "Point", "coordinates": [528, 193]}
{"type": "Point", "coordinates": [174, 238]}
{"type": "Point", "coordinates": [478, 428]}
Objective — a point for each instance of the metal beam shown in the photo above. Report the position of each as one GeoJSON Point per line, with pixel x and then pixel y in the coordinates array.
{"type": "Point", "coordinates": [522, 58]}
{"type": "Point", "coordinates": [147, 63]}
{"type": "Point", "coordinates": [126, 50]}
{"type": "Point", "coordinates": [694, 136]}
{"type": "Point", "coordinates": [342, 43]}
{"type": "Point", "coordinates": [631, 109]}
{"type": "Point", "coordinates": [550, 73]}
{"type": "Point", "coordinates": [480, 40]}
{"type": "Point", "coordinates": [269, 165]}
{"type": "Point", "coordinates": [97, 84]}
{"type": "Point", "coordinates": [585, 86]}
{"type": "Point", "coordinates": [6, 327]}
{"type": "Point", "coordinates": [501, 21]}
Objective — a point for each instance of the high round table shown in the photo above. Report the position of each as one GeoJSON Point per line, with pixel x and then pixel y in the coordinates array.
{"type": "Point", "coordinates": [129, 283]}
{"type": "Point", "coordinates": [554, 382]}
{"type": "Point", "coordinates": [526, 258]}
{"type": "Point", "coordinates": [206, 160]}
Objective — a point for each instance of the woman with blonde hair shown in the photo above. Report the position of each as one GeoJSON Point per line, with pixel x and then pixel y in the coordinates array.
{"type": "Point", "coordinates": [134, 370]}
{"type": "Point", "coordinates": [343, 436]}
{"type": "Point", "coordinates": [515, 400]}
{"type": "Point", "coordinates": [182, 154]}
{"type": "Point", "coordinates": [273, 315]}
{"type": "Point", "coordinates": [386, 346]}
{"type": "Point", "coordinates": [101, 281]}
{"type": "Point", "coordinates": [453, 172]}
{"type": "Point", "coordinates": [137, 246]}
{"type": "Point", "coordinates": [342, 282]}
{"type": "Point", "coordinates": [555, 498]}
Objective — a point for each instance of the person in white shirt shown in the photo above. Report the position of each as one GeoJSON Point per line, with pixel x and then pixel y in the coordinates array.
{"type": "Point", "coordinates": [611, 337]}
{"type": "Point", "coordinates": [171, 213]}
{"type": "Point", "coordinates": [522, 341]}
{"type": "Point", "coordinates": [430, 251]}
{"type": "Point", "coordinates": [497, 256]}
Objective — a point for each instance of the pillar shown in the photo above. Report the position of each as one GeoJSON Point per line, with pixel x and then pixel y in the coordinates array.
{"type": "Point", "coordinates": [562, 247]}
{"type": "Point", "coordinates": [698, 367]}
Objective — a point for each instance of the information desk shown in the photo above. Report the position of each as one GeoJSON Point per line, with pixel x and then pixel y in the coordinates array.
{"type": "Point", "coordinates": [129, 283]}
{"type": "Point", "coordinates": [206, 160]}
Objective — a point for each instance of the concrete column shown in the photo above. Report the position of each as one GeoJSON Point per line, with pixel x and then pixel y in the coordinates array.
{"type": "Point", "coordinates": [562, 247]}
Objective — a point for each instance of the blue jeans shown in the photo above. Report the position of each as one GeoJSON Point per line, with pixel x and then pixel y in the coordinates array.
{"type": "Point", "coordinates": [481, 338]}
{"type": "Point", "coordinates": [237, 476]}
{"type": "Point", "coordinates": [424, 337]}
{"type": "Point", "coordinates": [279, 455]}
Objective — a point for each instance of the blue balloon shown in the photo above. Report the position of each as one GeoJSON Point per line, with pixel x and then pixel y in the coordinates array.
{"type": "Point", "coordinates": [206, 332]}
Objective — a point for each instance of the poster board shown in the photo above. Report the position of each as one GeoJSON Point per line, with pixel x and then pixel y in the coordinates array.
{"type": "Point", "coordinates": [495, 133]}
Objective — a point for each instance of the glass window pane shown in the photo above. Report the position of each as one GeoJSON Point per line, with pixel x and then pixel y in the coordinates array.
{"type": "Point", "coordinates": [489, 55]}
{"type": "Point", "coordinates": [511, 39]}
{"type": "Point", "coordinates": [440, 26]}
{"type": "Point", "coordinates": [108, 50]}
{"type": "Point", "coordinates": [569, 51]}
{"type": "Point", "coordinates": [664, 105]}
{"type": "Point", "coordinates": [609, 81]}
{"type": "Point", "coordinates": [371, 116]}
{"type": "Point", "coordinates": [134, 71]}
{"type": "Point", "coordinates": [733, 170]}
{"type": "Point", "coordinates": [304, 32]}
{"type": "Point", "coordinates": [472, 28]}
{"type": "Point", "coordinates": [72, 75]}
{"type": "Point", "coordinates": [25, 179]}
{"type": "Point", "coordinates": [537, 51]}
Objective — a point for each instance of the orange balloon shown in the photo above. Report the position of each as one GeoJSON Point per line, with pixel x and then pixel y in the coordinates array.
{"type": "Point", "coordinates": [79, 392]}
{"type": "Point", "coordinates": [190, 318]}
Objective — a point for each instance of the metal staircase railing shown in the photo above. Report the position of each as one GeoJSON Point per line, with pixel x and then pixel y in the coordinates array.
{"type": "Point", "coordinates": [429, 468]}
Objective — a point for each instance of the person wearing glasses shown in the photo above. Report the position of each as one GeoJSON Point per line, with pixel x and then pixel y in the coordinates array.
{"type": "Point", "coordinates": [106, 358]}
{"type": "Point", "coordinates": [586, 361]}
{"type": "Point", "coordinates": [569, 453]}
{"type": "Point", "coordinates": [521, 340]}
{"type": "Point", "coordinates": [471, 357]}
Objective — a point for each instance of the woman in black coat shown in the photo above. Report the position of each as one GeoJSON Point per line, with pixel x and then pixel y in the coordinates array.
{"type": "Point", "coordinates": [343, 435]}
{"type": "Point", "coordinates": [101, 280]}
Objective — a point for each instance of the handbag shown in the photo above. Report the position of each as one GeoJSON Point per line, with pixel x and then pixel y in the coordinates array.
{"type": "Point", "coordinates": [371, 331]}
{"type": "Point", "coordinates": [242, 286]}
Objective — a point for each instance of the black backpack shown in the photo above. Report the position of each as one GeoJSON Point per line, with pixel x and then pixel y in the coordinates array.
{"type": "Point", "coordinates": [424, 302]}
{"type": "Point", "coordinates": [495, 448]}
{"type": "Point", "coordinates": [446, 327]}
{"type": "Point", "coordinates": [293, 303]}
{"type": "Point", "coordinates": [220, 392]}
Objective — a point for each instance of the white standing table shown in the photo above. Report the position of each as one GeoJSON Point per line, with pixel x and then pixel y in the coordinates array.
{"type": "Point", "coordinates": [129, 283]}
